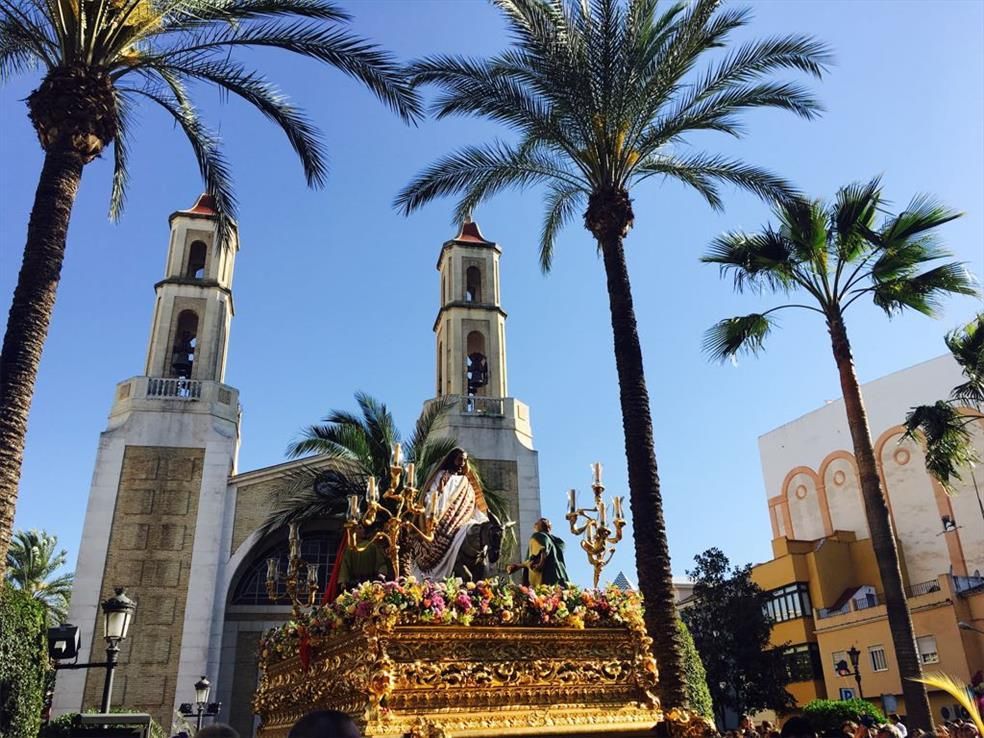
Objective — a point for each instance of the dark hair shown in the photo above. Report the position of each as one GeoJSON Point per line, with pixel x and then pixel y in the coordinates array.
{"type": "Point", "coordinates": [546, 524]}
{"type": "Point", "coordinates": [325, 724]}
{"type": "Point", "coordinates": [797, 727]}
{"type": "Point", "coordinates": [217, 730]}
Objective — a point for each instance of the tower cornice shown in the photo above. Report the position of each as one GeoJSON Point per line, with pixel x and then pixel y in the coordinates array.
{"type": "Point", "coordinates": [448, 245]}
{"type": "Point", "coordinates": [478, 306]}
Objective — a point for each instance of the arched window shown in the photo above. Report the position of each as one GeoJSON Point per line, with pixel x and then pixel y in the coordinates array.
{"type": "Point", "coordinates": [317, 547]}
{"type": "Point", "coordinates": [185, 344]}
{"type": "Point", "coordinates": [196, 261]}
{"type": "Point", "coordinates": [476, 365]}
{"type": "Point", "coordinates": [473, 284]}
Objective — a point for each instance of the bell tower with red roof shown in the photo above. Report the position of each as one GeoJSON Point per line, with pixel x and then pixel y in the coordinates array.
{"type": "Point", "coordinates": [471, 367]}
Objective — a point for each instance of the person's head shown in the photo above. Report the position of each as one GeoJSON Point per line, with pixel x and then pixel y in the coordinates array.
{"type": "Point", "coordinates": [797, 727]}
{"type": "Point", "coordinates": [942, 731]}
{"type": "Point", "coordinates": [765, 727]}
{"type": "Point", "coordinates": [456, 461]}
{"type": "Point", "coordinates": [746, 722]}
{"type": "Point", "coordinates": [888, 731]}
{"type": "Point", "coordinates": [542, 526]}
{"type": "Point", "coordinates": [894, 718]}
{"type": "Point", "coordinates": [325, 724]}
{"type": "Point", "coordinates": [848, 727]}
{"type": "Point", "coordinates": [217, 730]}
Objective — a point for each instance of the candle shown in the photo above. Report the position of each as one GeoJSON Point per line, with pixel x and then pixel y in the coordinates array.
{"type": "Point", "coordinates": [294, 534]}
{"type": "Point", "coordinates": [353, 508]}
{"type": "Point", "coordinates": [397, 454]}
{"type": "Point", "coordinates": [596, 469]}
{"type": "Point", "coordinates": [618, 508]}
{"type": "Point", "coordinates": [272, 572]}
{"type": "Point", "coordinates": [371, 494]}
{"type": "Point", "coordinates": [411, 477]}
{"type": "Point", "coordinates": [312, 575]}
{"type": "Point", "coordinates": [571, 501]}
{"type": "Point", "coordinates": [601, 513]}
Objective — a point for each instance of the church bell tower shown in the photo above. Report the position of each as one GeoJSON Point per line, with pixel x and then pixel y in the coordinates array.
{"type": "Point", "coordinates": [158, 496]}
{"type": "Point", "coordinates": [470, 333]}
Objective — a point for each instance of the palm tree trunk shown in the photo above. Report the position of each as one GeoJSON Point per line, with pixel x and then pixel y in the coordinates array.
{"type": "Point", "coordinates": [30, 316]}
{"type": "Point", "coordinates": [882, 532]}
{"type": "Point", "coordinates": [648, 527]}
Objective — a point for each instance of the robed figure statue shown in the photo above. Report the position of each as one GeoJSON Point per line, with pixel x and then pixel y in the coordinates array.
{"type": "Point", "coordinates": [460, 506]}
{"type": "Point", "coordinates": [544, 562]}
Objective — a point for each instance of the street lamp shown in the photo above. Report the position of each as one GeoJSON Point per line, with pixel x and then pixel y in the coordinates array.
{"type": "Point", "coordinates": [967, 626]}
{"type": "Point", "coordinates": [203, 708]}
{"type": "Point", "coordinates": [842, 669]}
{"type": "Point", "coordinates": [64, 640]}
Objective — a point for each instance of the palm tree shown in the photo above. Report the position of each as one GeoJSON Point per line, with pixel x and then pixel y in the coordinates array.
{"type": "Point", "coordinates": [32, 562]}
{"type": "Point", "coordinates": [101, 59]}
{"type": "Point", "coordinates": [356, 448]}
{"type": "Point", "coordinates": [943, 425]}
{"type": "Point", "coordinates": [834, 255]}
{"type": "Point", "coordinates": [601, 95]}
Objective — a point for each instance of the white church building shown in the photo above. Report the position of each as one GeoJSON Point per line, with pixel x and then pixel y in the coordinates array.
{"type": "Point", "coordinates": [173, 519]}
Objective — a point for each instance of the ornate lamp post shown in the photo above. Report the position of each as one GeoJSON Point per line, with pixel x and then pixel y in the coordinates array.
{"type": "Point", "coordinates": [402, 515]}
{"type": "Point", "coordinates": [63, 641]}
{"type": "Point", "coordinates": [203, 708]}
{"type": "Point", "coordinates": [598, 542]}
{"type": "Point", "coordinates": [842, 669]}
{"type": "Point", "coordinates": [302, 592]}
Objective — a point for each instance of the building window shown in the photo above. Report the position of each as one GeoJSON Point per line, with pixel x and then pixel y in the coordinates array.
{"type": "Point", "coordinates": [787, 603]}
{"type": "Point", "coordinates": [926, 646]}
{"type": "Point", "coordinates": [476, 364]}
{"type": "Point", "coordinates": [317, 547]}
{"type": "Point", "coordinates": [802, 662]}
{"type": "Point", "coordinates": [878, 660]}
{"type": "Point", "coordinates": [837, 657]}
{"type": "Point", "coordinates": [185, 344]}
{"type": "Point", "coordinates": [196, 261]}
{"type": "Point", "coordinates": [473, 284]}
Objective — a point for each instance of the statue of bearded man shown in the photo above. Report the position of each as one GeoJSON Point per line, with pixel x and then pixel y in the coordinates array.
{"type": "Point", "coordinates": [460, 505]}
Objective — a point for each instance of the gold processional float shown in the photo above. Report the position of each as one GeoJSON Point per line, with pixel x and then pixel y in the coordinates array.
{"type": "Point", "coordinates": [453, 659]}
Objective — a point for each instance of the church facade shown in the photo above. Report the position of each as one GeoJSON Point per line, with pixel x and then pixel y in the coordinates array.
{"type": "Point", "coordinates": [172, 519]}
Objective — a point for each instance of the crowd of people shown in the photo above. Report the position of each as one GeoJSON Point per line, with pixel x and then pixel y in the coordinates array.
{"type": "Point", "coordinates": [799, 727]}
{"type": "Point", "coordinates": [318, 724]}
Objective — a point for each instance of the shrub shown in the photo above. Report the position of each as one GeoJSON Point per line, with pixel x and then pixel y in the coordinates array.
{"type": "Point", "coordinates": [828, 715]}
{"type": "Point", "coordinates": [62, 726]}
{"type": "Point", "coordinates": [698, 695]}
{"type": "Point", "coordinates": [23, 662]}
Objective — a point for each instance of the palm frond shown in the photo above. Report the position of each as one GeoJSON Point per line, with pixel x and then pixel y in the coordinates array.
{"type": "Point", "coordinates": [923, 292]}
{"type": "Point", "coordinates": [756, 261]}
{"type": "Point", "coordinates": [703, 172]}
{"type": "Point", "coordinates": [32, 562]}
{"type": "Point", "coordinates": [735, 335]}
{"type": "Point", "coordinates": [949, 445]}
{"type": "Point", "coordinates": [923, 214]}
{"type": "Point", "coordinates": [967, 347]}
{"type": "Point", "coordinates": [430, 418]}
{"type": "Point", "coordinates": [958, 691]}
{"type": "Point", "coordinates": [117, 197]}
{"type": "Point", "coordinates": [853, 217]}
{"type": "Point", "coordinates": [563, 202]}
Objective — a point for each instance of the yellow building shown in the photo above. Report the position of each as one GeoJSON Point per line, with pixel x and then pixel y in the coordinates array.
{"type": "Point", "coordinates": [826, 590]}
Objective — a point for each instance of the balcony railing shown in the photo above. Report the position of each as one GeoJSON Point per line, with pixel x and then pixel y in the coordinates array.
{"type": "Point", "coordinates": [475, 405]}
{"type": "Point", "coordinates": [174, 388]}
{"type": "Point", "coordinates": [915, 590]}
{"type": "Point", "coordinates": [855, 604]}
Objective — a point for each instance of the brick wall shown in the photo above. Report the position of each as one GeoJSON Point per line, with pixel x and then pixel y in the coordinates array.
{"type": "Point", "coordinates": [150, 554]}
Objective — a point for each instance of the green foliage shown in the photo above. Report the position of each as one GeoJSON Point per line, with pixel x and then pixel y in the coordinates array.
{"type": "Point", "coordinates": [23, 663]}
{"type": "Point", "coordinates": [698, 695]}
{"type": "Point", "coordinates": [944, 424]}
{"type": "Point", "coordinates": [744, 673]}
{"type": "Point", "coordinates": [826, 716]}
{"type": "Point", "coordinates": [61, 726]}
{"type": "Point", "coordinates": [32, 561]}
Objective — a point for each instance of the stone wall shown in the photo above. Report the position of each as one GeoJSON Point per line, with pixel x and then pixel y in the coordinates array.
{"type": "Point", "coordinates": [149, 554]}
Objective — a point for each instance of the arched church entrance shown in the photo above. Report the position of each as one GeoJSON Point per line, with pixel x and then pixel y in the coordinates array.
{"type": "Point", "coordinates": [250, 611]}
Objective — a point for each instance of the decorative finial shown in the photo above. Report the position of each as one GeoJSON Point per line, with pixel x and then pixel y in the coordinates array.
{"type": "Point", "coordinates": [468, 217]}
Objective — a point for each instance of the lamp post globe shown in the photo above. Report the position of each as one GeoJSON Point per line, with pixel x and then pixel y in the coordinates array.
{"type": "Point", "coordinates": [117, 615]}
{"type": "Point", "coordinates": [202, 688]}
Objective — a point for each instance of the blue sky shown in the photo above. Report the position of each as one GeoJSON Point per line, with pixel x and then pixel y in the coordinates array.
{"type": "Point", "coordinates": [336, 292]}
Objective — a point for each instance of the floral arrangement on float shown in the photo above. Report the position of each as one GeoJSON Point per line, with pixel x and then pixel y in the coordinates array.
{"type": "Point", "coordinates": [382, 605]}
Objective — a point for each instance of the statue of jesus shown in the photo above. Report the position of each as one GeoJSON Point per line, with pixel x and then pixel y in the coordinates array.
{"type": "Point", "coordinates": [456, 494]}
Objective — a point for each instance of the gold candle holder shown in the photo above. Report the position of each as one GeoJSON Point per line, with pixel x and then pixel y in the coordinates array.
{"type": "Point", "coordinates": [302, 592]}
{"type": "Point", "coordinates": [401, 515]}
{"type": "Point", "coordinates": [598, 540]}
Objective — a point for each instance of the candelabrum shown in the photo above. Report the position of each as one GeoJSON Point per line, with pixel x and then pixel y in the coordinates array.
{"type": "Point", "coordinates": [301, 591]}
{"type": "Point", "coordinates": [403, 514]}
{"type": "Point", "coordinates": [598, 541]}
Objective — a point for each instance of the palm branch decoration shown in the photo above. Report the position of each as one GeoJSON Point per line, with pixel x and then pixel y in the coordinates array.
{"type": "Point", "coordinates": [944, 424]}
{"type": "Point", "coordinates": [830, 256]}
{"type": "Point", "coordinates": [102, 61]}
{"type": "Point", "coordinates": [33, 561]}
{"type": "Point", "coordinates": [957, 690]}
{"type": "Point", "coordinates": [600, 96]}
{"type": "Point", "coordinates": [348, 448]}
